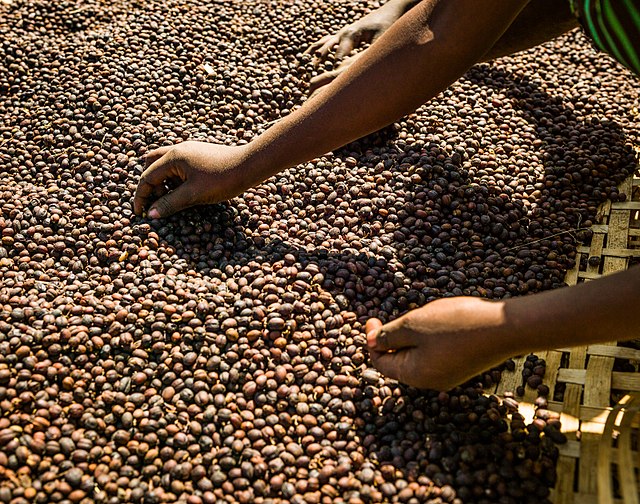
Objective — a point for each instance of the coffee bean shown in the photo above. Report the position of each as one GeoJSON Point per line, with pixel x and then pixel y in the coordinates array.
{"type": "Point", "coordinates": [219, 354]}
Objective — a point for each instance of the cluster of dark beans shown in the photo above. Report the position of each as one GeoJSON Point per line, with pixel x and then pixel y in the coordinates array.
{"type": "Point", "coordinates": [533, 372]}
{"type": "Point", "coordinates": [218, 355]}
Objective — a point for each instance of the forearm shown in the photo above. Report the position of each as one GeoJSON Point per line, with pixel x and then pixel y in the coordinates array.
{"type": "Point", "coordinates": [539, 21]}
{"type": "Point", "coordinates": [419, 56]}
{"type": "Point", "coordinates": [593, 312]}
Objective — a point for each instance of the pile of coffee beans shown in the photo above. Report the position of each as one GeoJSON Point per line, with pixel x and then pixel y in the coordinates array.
{"type": "Point", "coordinates": [218, 355]}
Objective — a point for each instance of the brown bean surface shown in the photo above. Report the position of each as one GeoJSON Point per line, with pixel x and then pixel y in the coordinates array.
{"type": "Point", "coordinates": [217, 356]}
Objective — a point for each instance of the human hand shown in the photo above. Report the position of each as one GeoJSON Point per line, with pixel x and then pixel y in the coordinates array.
{"type": "Point", "coordinates": [441, 344]}
{"type": "Point", "coordinates": [366, 29]}
{"type": "Point", "coordinates": [201, 173]}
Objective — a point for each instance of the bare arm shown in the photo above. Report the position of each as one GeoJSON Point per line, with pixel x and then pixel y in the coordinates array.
{"type": "Point", "coordinates": [419, 56]}
{"type": "Point", "coordinates": [451, 340]}
{"type": "Point", "coordinates": [539, 22]}
{"type": "Point", "coordinates": [593, 312]}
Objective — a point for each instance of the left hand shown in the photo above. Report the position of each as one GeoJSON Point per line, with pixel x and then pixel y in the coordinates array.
{"type": "Point", "coordinates": [364, 30]}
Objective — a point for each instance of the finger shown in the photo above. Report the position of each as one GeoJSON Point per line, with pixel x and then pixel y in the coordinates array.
{"type": "Point", "coordinates": [323, 51]}
{"type": "Point", "coordinates": [155, 154]}
{"type": "Point", "coordinates": [318, 43]}
{"type": "Point", "coordinates": [154, 176]}
{"type": "Point", "coordinates": [347, 44]}
{"type": "Point", "coordinates": [391, 336]}
{"type": "Point", "coordinates": [371, 328]}
{"type": "Point", "coordinates": [144, 192]}
{"type": "Point", "coordinates": [322, 80]}
{"type": "Point", "coordinates": [395, 365]}
{"type": "Point", "coordinates": [172, 202]}
{"type": "Point", "coordinates": [347, 62]}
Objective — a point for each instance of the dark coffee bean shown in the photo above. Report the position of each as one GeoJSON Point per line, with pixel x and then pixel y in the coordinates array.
{"type": "Point", "coordinates": [219, 354]}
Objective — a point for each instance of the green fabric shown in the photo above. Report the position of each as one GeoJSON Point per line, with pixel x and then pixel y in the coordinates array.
{"type": "Point", "coordinates": [613, 26]}
{"type": "Point", "coordinates": [634, 11]}
{"type": "Point", "coordinates": [629, 49]}
{"type": "Point", "coordinates": [591, 25]}
{"type": "Point", "coordinates": [607, 23]}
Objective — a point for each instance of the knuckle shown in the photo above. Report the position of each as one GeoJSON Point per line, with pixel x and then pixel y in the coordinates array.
{"type": "Point", "coordinates": [174, 153]}
{"type": "Point", "coordinates": [404, 322]}
{"type": "Point", "coordinates": [165, 207]}
{"type": "Point", "coordinates": [144, 180]}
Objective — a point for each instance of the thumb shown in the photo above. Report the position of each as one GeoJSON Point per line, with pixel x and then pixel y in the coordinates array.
{"type": "Point", "coordinates": [170, 203]}
{"type": "Point", "coordinates": [322, 80]}
{"type": "Point", "coordinates": [372, 328]}
{"type": "Point", "coordinates": [391, 336]}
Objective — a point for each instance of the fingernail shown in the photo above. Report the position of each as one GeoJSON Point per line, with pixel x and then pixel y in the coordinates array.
{"type": "Point", "coordinates": [154, 214]}
{"type": "Point", "coordinates": [371, 340]}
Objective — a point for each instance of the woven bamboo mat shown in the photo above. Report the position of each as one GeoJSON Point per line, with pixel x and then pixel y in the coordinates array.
{"type": "Point", "coordinates": [619, 453]}
{"type": "Point", "coordinates": [592, 386]}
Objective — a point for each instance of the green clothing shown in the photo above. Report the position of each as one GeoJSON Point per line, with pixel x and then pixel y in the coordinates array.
{"type": "Point", "coordinates": [614, 27]}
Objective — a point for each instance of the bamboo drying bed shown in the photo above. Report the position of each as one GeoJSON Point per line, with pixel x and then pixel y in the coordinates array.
{"type": "Point", "coordinates": [592, 386]}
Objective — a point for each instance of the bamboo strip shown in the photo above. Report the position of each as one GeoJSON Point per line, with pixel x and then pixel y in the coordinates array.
{"type": "Point", "coordinates": [620, 252]}
{"type": "Point", "coordinates": [588, 378]}
{"type": "Point", "coordinates": [626, 205]}
{"type": "Point", "coordinates": [563, 493]}
{"type": "Point", "coordinates": [588, 468]}
{"type": "Point", "coordinates": [614, 351]}
{"type": "Point", "coordinates": [626, 470]}
{"type": "Point", "coordinates": [619, 379]}
{"type": "Point", "coordinates": [605, 491]}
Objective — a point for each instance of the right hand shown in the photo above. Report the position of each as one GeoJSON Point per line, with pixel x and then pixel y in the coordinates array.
{"type": "Point", "coordinates": [441, 344]}
{"type": "Point", "coordinates": [202, 173]}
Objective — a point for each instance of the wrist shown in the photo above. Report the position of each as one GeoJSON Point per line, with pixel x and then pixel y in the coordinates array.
{"type": "Point", "coordinates": [255, 162]}
{"type": "Point", "coordinates": [506, 333]}
{"type": "Point", "coordinates": [529, 326]}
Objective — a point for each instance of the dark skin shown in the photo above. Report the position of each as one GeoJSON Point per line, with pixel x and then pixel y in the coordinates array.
{"type": "Point", "coordinates": [420, 54]}
{"type": "Point", "coordinates": [462, 336]}
{"type": "Point", "coordinates": [538, 22]}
